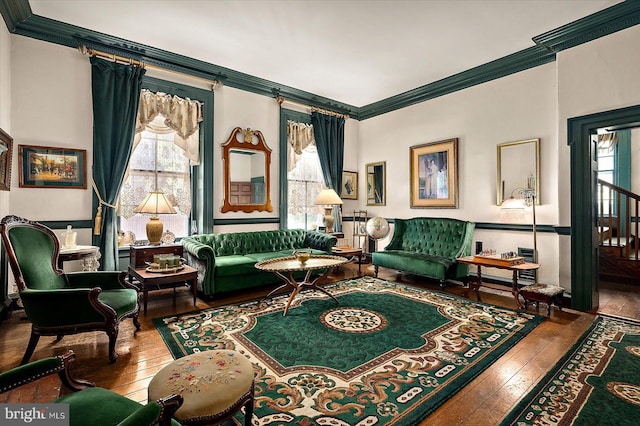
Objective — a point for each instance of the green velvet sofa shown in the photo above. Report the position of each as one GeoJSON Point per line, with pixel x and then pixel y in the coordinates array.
{"type": "Point", "coordinates": [226, 262]}
{"type": "Point", "coordinates": [428, 246]}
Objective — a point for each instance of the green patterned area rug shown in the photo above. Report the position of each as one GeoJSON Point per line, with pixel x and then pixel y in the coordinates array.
{"type": "Point", "coordinates": [597, 382]}
{"type": "Point", "coordinates": [387, 354]}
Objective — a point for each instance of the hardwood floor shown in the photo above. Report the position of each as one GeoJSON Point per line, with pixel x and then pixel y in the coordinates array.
{"type": "Point", "coordinates": [485, 401]}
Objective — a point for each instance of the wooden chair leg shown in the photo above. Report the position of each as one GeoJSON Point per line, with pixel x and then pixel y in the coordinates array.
{"type": "Point", "coordinates": [113, 336]}
{"type": "Point", "coordinates": [248, 409]}
{"type": "Point", "coordinates": [33, 342]}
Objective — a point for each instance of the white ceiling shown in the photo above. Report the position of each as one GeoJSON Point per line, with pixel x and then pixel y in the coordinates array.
{"type": "Point", "coordinates": [355, 51]}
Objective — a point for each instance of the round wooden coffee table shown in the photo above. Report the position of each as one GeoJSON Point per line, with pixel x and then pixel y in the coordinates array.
{"type": "Point", "coordinates": [284, 268]}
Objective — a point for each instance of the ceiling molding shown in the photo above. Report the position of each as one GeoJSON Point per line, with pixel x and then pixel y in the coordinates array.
{"type": "Point", "coordinates": [14, 12]}
{"type": "Point", "coordinates": [20, 20]}
{"type": "Point", "coordinates": [520, 61]}
{"type": "Point", "coordinates": [608, 21]}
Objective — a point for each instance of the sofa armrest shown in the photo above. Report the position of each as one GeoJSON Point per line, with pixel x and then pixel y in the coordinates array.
{"type": "Point", "coordinates": [320, 241]}
{"type": "Point", "coordinates": [201, 257]}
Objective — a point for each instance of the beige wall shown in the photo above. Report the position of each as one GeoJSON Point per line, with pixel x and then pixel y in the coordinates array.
{"type": "Point", "coordinates": [518, 107]}
{"type": "Point", "coordinates": [598, 76]}
{"type": "Point", "coordinates": [5, 102]}
{"type": "Point", "coordinates": [51, 105]}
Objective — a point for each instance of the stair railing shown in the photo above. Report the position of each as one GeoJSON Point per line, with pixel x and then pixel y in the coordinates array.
{"type": "Point", "coordinates": [610, 221]}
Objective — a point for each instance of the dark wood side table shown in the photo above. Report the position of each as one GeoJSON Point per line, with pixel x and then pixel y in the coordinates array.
{"type": "Point", "coordinates": [479, 263]}
{"type": "Point", "coordinates": [349, 253]}
{"type": "Point", "coordinates": [157, 280]}
{"type": "Point", "coordinates": [140, 256]}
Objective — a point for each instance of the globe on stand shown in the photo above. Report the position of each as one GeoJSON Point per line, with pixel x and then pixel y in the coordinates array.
{"type": "Point", "coordinates": [377, 228]}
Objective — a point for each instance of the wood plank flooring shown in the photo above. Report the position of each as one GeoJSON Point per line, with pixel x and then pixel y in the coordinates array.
{"type": "Point", "coordinates": [485, 401]}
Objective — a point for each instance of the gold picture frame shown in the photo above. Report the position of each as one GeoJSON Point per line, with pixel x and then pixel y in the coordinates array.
{"type": "Point", "coordinates": [6, 150]}
{"type": "Point", "coordinates": [52, 167]}
{"type": "Point", "coordinates": [434, 174]}
{"type": "Point", "coordinates": [349, 186]}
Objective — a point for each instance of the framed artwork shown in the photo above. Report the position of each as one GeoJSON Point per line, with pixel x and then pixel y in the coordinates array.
{"type": "Point", "coordinates": [349, 186]}
{"type": "Point", "coordinates": [434, 174]}
{"type": "Point", "coordinates": [6, 145]}
{"type": "Point", "coordinates": [48, 167]}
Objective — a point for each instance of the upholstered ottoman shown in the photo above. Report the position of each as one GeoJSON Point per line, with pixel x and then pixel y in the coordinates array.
{"type": "Point", "coordinates": [545, 293]}
{"type": "Point", "coordinates": [214, 384]}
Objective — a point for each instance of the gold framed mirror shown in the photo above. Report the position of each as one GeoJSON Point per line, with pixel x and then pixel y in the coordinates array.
{"type": "Point", "coordinates": [518, 167]}
{"type": "Point", "coordinates": [376, 183]}
{"type": "Point", "coordinates": [247, 160]}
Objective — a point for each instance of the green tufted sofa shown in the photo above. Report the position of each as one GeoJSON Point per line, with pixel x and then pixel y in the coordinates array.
{"type": "Point", "coordinates": [428, 246]}
{"type": "Point", "coordinates": [226, 262]}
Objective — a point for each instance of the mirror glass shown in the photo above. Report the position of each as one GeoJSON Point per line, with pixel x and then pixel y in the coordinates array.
{"type": "Point", "coordinates": [246, 172]}
{"type": "Point", "coordinates": [376, 184]}
{"type": "Point", "coordinates": [247, 177]}
{"type": "Point", "coordinates": [518, 168]}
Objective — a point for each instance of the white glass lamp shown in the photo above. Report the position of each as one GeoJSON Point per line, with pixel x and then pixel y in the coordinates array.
{"type": "Point", "coordinates": [155, 203]}
{"type": "Point", "coordinates": [328, 198]}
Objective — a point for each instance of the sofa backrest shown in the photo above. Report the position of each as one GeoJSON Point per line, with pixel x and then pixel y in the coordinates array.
{"type": "Point", "coordinates": [434, 236]}
{"type": "Point", "coordinates": [241, 243]}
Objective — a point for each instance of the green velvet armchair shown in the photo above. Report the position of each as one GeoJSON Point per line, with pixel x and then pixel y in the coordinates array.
{"type": "Point", "coordinates": [59, 303]}
{"type": "Point", "coordinates": [90, 405]}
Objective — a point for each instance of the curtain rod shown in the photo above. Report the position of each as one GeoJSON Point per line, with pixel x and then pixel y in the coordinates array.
{"type": "Point", "coordinates": [115, 58]}
{"type": "Point", "coordinates": [282, 100]}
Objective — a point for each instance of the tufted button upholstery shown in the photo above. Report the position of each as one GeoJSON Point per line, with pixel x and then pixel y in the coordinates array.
{"type": "Point", "coordinates": [428, 246]}
{"type": "Point", "coordinates": [225, 261]}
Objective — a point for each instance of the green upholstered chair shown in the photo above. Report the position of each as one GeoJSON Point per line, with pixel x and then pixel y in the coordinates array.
{"type": "Point", "coordinates": [59, 303]}
{"type": "Point", "coordinates": [89, 405]}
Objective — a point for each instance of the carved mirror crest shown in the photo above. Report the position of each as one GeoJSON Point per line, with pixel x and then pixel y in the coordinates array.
{"type": "Point", "coordinates": [246, 159]}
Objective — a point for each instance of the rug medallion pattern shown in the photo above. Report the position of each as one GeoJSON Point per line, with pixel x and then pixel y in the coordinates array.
{"type": "Point", "coordinates": [387, 354]}
{"type": "Point", "coordinates": [595, 383]}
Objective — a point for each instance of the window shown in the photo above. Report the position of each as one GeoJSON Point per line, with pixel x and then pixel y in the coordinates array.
{"type": "Point", "coordinates": [156, 164]}
{"type": "Point", "coordinates": [606, 171]}
{"type": "Point", "coordinates": [304, 183]}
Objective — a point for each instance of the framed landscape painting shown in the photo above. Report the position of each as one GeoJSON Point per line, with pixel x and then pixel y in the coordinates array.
{"type": "Point", "coordinates": [434, 174]}
{"type": "Point", "coordinates": [349, 186]}
{"type": "Point", "coordinates": [48, 167]}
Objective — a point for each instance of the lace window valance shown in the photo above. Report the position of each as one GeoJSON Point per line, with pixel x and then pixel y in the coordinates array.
{"type": "Point", "coordinates": [299, 136]}
{"type": "Point", "coordinates": [181, 116]}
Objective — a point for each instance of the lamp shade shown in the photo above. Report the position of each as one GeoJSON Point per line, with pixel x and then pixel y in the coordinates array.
{"type": "Point", "coordinates": [513, 204]}
{"type": "Point", "coordinates": [328, 197]}
{"type": "Point", "coordinates": [156, 203]}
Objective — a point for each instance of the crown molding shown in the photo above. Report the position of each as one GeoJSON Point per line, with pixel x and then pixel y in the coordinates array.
{"type": "Point", "coordinates": [14, 12]}
{"type": "Point", "coordinates": [610, 20]}
{"type": "Point", "coordinates": [520, 61]}
{"type": "Point", "coordinates": [20, 20]}
{"type": "Point", "coordinates": [64, 34]}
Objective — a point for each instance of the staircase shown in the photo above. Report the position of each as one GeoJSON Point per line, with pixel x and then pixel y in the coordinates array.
{"type": "Point", "coordinates": [618, 228]}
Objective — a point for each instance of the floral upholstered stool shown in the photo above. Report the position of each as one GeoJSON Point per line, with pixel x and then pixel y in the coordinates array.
{"type": "Point", "coordinates": [545, 293]}
{"type": "Point", "coordinates": [214, 384]}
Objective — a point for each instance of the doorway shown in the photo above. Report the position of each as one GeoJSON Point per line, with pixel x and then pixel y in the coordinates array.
{"type": "Point", "coordinates": [584, 175]}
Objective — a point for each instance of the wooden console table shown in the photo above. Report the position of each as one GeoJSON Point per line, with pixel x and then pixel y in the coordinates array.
{"type": "Point", "coordinates": [479, 263]}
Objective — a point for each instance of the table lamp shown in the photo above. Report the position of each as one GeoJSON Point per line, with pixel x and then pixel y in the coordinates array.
{"type": "Point", "coordinates": [329, 198]}
{"type": "Point", "coordinates": [155, 203]}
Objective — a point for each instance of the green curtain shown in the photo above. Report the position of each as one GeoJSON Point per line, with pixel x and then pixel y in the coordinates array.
{"type": "Point", "coordinates": [116, 95]}
{"type": "Point", "coordinates": [328, 130]}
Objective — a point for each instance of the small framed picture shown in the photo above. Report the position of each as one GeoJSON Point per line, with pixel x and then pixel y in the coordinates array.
{"type": "Point", "coordinates": [349, 186]}
{"type": "Point", "coordinates": [434, 174]}
{"type": "Point", "coordinates": [49, 167]}
{"type": "Point", "coordinates": [6, 145]}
